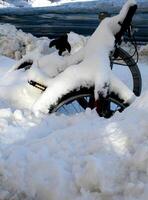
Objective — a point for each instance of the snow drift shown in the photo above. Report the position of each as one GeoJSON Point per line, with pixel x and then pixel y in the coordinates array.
{"type": "Point", "coordinates": [15, 43]}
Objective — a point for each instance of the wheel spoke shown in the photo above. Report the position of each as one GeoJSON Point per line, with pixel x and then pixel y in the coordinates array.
{"type": "Point", "coordinates": [65, 109]}
{"type": "Point", "coordinates": [76, 111]}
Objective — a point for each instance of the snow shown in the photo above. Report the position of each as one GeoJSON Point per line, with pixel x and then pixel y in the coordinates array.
{"type": "Point", "coordinates": [71, 3]}
{"type": "Point", "coordinates": [79, 157]}
{"type": "Point", "coordinates": [45, 67]}
{"type": "Point", "coordinates": [75, 157]}
{"type": "Point", "coordinates": [15, 43]}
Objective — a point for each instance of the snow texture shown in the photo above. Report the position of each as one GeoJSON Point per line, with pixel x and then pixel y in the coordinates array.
{"type": "Point", "coordinates": [15, 43]}
{"type": "Point", "coordinates": [82, 157]}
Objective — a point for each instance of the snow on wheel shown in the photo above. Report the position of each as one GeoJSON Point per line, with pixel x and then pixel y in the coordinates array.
{"type": "Point", "coordinates": [78, 101]}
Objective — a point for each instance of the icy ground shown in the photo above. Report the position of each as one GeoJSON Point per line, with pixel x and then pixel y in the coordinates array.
{"type": "Point", "coordinates": [80, 157]}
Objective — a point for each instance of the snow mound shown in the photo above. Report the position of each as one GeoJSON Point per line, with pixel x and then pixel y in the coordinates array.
{"type": "Point", "coordinates": [81, 157]}
{"type": "Point", "coordinates": [15, 43]}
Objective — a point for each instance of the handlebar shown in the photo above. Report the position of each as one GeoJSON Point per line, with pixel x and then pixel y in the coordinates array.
{"type": "Point", "coordinates": [125, 25]}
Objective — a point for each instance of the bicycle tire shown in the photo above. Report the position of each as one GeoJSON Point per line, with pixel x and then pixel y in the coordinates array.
{"type": "Point", "coordinates": [77, 94]}
{"type": "Point", "coordinates": [133, 67]}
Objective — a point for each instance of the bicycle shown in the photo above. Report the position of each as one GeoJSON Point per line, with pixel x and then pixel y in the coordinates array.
{"type": "Point", "coordinates": [82, 98]}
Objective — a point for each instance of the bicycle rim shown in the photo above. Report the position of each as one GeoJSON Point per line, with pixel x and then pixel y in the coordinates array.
{"type": "Point", "coordinates": [133, 67]}
{"type": "Point", "coordinates": [77, 103]}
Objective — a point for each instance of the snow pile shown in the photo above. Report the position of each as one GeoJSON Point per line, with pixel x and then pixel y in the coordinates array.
{"type": "Point", "coordinates": [79, 158]}
{"type": "Point", "coordinates": [15, 43]}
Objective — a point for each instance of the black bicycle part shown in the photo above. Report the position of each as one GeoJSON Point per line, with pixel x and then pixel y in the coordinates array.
{"type": "Point", "coordinates": [61, 44]}
{"type": "Point", "coordinates": [25, 65]}
{"type": "Point", "coordinates": [125, 25]}
{"type": "Point", "coordinates": [37, 85]}
{"type": "Point", "coordinates": [81, 97]}
{"type": "Point", "coordinates": [132, 65]}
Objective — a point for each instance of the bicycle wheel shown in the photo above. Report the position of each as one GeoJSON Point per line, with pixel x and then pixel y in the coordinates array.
{"type": "Point", "coordinates": [127, 61]}
{"type": "Point", "coordinates": [78, 101]}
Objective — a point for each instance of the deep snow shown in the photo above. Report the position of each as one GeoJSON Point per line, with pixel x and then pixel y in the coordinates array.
{"type": "Point", "coordinates": [80, 157]}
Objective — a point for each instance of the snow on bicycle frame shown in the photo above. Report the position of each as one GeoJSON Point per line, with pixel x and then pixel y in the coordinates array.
{"type": "Point", "coordinates": [95, 69]}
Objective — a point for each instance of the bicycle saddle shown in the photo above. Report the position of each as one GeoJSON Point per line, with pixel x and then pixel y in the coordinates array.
{"type": "Point", "coordinates": [61, 44]}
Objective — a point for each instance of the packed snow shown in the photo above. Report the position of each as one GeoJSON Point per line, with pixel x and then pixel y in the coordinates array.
{"type": "Point", "coordinates": [79, 157]}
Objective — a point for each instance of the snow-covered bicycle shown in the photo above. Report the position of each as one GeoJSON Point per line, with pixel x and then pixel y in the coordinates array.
{"type": "Point", "coordinates": [81, 98]}
{"type": "Point", "coordinates": [86, 80]}
{"type": "Point", "coordinates": [78, 100]}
